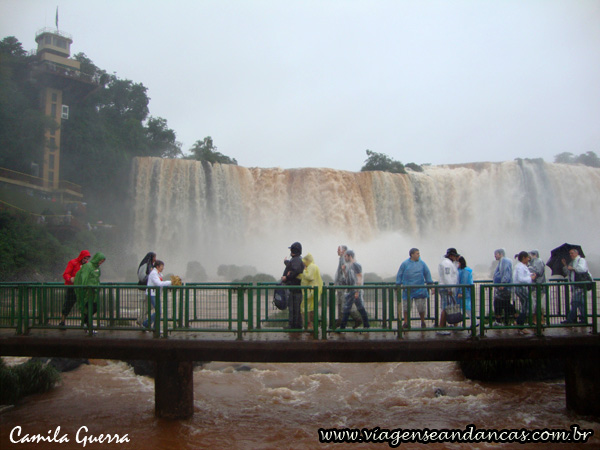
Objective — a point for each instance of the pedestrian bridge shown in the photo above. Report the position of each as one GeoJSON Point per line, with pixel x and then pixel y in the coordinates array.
{"type": "Point", "coordinates": [237, 322]}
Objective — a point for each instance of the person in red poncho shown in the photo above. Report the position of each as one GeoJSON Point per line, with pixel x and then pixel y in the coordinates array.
{"type": "Point", "coordinates": [69, 275]}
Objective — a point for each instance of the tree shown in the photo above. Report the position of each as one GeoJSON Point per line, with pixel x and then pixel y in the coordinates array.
{"type": "Point", "coordinates": [87, 67]}
{"type": "Point", "coordinates": [380, 161]}
{"type": "Point", "coordinates": [587, 159]}
{"type": "Point", "coordinates": [414, 167]}
{"type": "Point", "coordinates": [10, 45]}
{"type": "Point", "coordinates": [105, 131]}
{"type": "Point", "coordinates": [195, 272]}
{"type": "Point", "coordinates": [162, 140]}
{"type": "Point", "coordinates": [21, 122]}
{"type": "Point", "coordinates": [564, 158]}
{"type": "Point", "coordinates": [205, 150]}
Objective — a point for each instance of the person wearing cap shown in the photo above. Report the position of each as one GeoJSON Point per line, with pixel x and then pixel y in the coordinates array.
{"type": "Point", "coordinates": [414, 272]}
{"type": "Point", "coordinates": [448, 272]}
{"type": "Point", "coordinates": [503, 308]}
{"type": "Point", "coordinates": [353, 276]}
{"type": "Point", "coordinates": [538, 268]}
{"type": "Point", "coordinates": [291, 277]}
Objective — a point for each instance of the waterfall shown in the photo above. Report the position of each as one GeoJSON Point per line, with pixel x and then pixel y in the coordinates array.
{"type": "Point", "coordinates": [225, 214]}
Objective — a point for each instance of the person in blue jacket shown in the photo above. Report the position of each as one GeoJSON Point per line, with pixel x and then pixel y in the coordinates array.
{"type": "Point", "coordinates": [465, 276]}
{"type": "Point", "coordinates": [503, 308]}
{"type": "Point", "coordinates": [414, 272]}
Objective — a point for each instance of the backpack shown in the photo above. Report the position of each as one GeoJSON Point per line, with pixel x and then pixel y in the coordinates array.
{"type": "Point", "coordinates": [143, 276]}
{"type": "Point", "coordinates": [585, 276]}
{"type": "Point", "coordinates": [280, 299]}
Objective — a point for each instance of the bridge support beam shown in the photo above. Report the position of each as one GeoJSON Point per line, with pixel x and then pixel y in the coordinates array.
{"type": "Point", "coordinates": [174, 389]}
{"type": "Point", "coordinates": [581, 384]}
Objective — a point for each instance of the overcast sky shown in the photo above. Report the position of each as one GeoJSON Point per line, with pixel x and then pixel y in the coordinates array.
{"type": "Point", "coordinates": [315, 83]}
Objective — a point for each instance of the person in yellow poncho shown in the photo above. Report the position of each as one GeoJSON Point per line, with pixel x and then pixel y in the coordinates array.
{"type": "Point", "coordinates": [311, 277]}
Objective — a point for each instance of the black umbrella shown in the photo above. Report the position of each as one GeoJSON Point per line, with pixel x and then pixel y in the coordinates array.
{"type": "Point", "coordinates": [560, 253]}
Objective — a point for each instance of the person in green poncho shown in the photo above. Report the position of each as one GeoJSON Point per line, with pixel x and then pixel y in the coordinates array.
{"type": "Point", "coordinates": [89, 275]}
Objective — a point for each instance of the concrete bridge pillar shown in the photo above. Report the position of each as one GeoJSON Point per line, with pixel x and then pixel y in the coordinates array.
{"type": "Point", "coordinates": [581, 383]}
{"type": "Point", "coordinates": [174, 389]}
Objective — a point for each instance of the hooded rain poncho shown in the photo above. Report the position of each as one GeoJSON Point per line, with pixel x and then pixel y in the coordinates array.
{"type": "Point", "coordinates": [88, 275]}
{"type": "Point", "coordinates": [311, 277]}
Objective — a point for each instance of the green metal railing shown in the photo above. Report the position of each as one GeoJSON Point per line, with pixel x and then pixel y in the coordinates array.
{"type": "Point", "coordinates": [241, 309]}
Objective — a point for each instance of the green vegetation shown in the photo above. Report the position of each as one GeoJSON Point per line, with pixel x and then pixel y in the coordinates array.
{"type": "Point", "coordinates": [587, 159]}
{"type": "Point", "coordinates": [25, 379]}
{"type": "Point", "coordinates": [205, 150]}
{"type": "Point", "coordinates": [28, 250]}
{"type": "Point", "coordinates": [232, 272]}
{"type": "Point", "coordinates": [195, 272]}
{"type": "Point", "coordinates": [382, 162]}
{"type": "Point", "coordinates": [21, 121]}
{"type": "Point", "coordinates": [258, 278]}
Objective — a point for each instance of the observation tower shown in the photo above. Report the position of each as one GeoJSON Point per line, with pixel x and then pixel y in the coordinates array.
{"type": "Point", "coordinates": [61, 84]}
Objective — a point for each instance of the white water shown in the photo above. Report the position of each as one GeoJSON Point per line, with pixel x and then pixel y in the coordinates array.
{"type": "Point", "coordinates": [224, 214]}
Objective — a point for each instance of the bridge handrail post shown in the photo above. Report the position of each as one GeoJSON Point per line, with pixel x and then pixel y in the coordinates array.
{"type": "Point", "coordinates": [148, 306]}
{"type": "Point", "coordinates": [594, 309]}
{"type": "Point", "coordinates": [384, 302]}
{"type": "Point", "coordinates": [112, 306]}
{"type": "Point", "coordinates": [473, 311]}
{"type": "Point", "coordinates": [258, 307]}
{"type": "Point", "coordinates": [178, 295]}
{"type": "Point", "coordinates": [229, 308]}
{"type": "Point", "coordinates": [240, 312]}
{"type": "Point", "coordinates": [538, 310]}
{"type": "Point", "coordinates": [250, 309]}
{"type": "Point", "coordinates": [20, 310]}
{"type": "Point", "coordinates": [567, 299]}
{"type": "Point", "coordinates": [390, 317]}
{"type": "Point", "coordinates": [324, 305]}
{"type": "Point", "coordinates": [26, 305]}
{"type": "Point", "coordinates": [187, 307]}
{"type": "Point", "coordinates": [158, 313]}
{"type": "Point", "coordinates": [376, 303]}
{"type": "Point", "coordinates": [316, 303]}
{"type": "Point", "coordinates": [482, 310]}
{"type": "Point", "coordinates": [436, 306]}
{"type": "Point", "coordinates": [547, 300]}
{"type": "Point", "coordinates": [399, 309]}
{"type": "Point", "coordinates": [90, 316]}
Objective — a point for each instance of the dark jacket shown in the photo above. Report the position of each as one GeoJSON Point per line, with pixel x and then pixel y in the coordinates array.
{"type": "Point", "coordinates": [293, 268]}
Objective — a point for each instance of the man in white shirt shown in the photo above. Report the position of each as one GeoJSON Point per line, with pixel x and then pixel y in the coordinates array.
{"type": "Point", "coordinates": [448, 272]}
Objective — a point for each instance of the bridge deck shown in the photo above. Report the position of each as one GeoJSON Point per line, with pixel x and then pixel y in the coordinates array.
{"type": "Point", "coordinates": [369, 346]}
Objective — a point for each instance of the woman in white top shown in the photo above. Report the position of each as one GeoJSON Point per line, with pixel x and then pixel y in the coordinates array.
{"type": "Point", "coordinates": [522, 275]}
{"type": "Point", "coordinates": [155, 279]}
{"type": "Point", "coordinates": [574, 271]}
